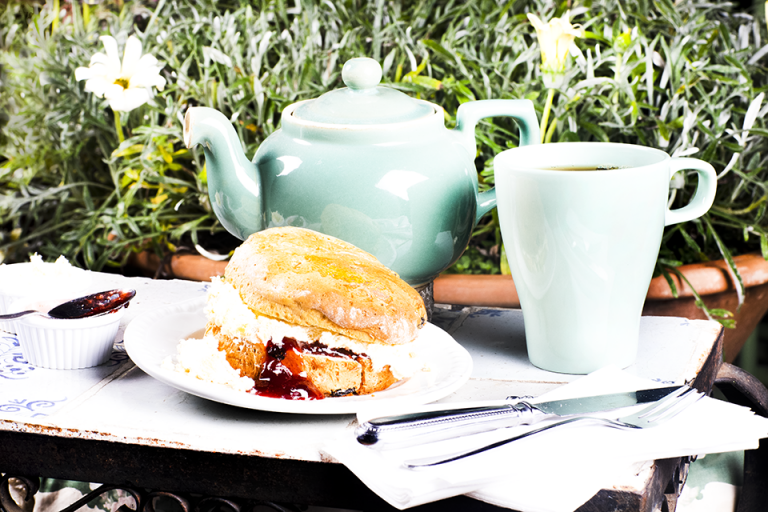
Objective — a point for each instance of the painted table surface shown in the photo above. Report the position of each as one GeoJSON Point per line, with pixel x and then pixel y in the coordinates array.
{"type": "Point", "coordinates": [81, 404]}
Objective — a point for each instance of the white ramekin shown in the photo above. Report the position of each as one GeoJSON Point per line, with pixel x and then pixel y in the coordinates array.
{"type": "Point", "coordinates": [64, 344]}
{"type": "Point", "coordinates": [20, 281]}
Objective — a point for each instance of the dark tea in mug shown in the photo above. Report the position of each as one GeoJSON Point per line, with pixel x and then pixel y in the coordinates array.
{"type": "Point", "coordinates": [581, 168]}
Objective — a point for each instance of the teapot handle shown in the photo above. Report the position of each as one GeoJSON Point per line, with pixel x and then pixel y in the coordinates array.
{"type": "Point", "coordinates": [470, 113]}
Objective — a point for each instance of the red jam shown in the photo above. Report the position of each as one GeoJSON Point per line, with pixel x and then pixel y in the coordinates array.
{"type": "Point", "coordinates": [105, 302]}
{"type": "Point", "coordinates": [281, 374]}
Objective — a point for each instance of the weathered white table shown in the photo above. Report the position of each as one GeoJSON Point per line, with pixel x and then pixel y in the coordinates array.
{"type": "Point", "coordinates": [115, 424]}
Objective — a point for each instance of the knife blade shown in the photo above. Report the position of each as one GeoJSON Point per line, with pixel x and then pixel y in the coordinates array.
{"type": "Point", "coordinates": [409, 429]}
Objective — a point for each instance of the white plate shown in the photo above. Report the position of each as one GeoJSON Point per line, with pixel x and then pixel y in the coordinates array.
{"type": "Point", "coordinates": [153, 336]}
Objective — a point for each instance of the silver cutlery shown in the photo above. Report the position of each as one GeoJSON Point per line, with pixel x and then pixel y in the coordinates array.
{"type": "Point", "coordinates": [651, 416]}
{"type": "Point", "coordinates": [429, 426]}
{"type": "Point", "coordinates": [91, 305]}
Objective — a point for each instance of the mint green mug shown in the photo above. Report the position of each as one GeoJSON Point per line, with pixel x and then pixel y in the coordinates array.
{"type": "Point", "coordinates": [582, 224]}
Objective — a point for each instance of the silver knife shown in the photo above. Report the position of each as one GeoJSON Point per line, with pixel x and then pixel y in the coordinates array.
{"type": "Point", "coordinates": [414, 428]}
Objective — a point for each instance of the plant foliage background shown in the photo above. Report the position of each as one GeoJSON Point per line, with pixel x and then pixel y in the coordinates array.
{"type": "Point", "coordinates": [681, 77]}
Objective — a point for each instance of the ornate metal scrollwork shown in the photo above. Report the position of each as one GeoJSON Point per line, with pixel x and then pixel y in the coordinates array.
{"type": "Point", "coordinates": [153, 497]}
{"type": "Point", "coordinates": [30, 486]}
{"type": "Point", "coordinates": [136, 495]}
{"type": "Point", "coordinates": [143, 500]}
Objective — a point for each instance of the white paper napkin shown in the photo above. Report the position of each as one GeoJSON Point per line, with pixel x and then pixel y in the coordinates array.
{"type": "Point", "coordinates": [578, 460]}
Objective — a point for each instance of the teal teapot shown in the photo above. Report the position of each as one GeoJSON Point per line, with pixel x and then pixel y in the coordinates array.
{"type": "Point", "coordinates": [365, 163]}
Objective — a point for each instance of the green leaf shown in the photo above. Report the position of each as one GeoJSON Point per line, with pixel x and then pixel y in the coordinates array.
{"type": "Point", "coordinates": [505, 270]}
{"type": "Point", "coordinates": [726, 253]}
{"type": "Point", "coordinates": [719, 315]}
{"type": "Point", "coordinates": [688, 240]}
{"type": "Point", "coordinates": [437, 48]}
{"type": "Point", "coordinates": [764, 245]}
{"type": "Point", "coordinates": [429, 83]}
{"type": "Point", "coordinates": [738, 64]}
{"type": "Point", "coordinates": [569, 136]}
{"type": "Point", "coordinates": [723, 313]}
{"type": "Point", "coordinates": [128, 150]}
{"type": "Point", "coordinates": [533, 95]}
{"type": "Point", "coordinates": [635, 112]}
{"type": "Point", "coordinates": [731, 146]}
{"type": "Point", "coordinates": [670, 282]}
{"type": "Point", "coordinates": [595, 130]}
{"type": "Point", "coordinates": [758, 131]}
{"type": "Point", "coordinates": [203, 175]}
{"type": "Point", "coordinates": [595, 36]}
{"type": "Point", "coordinates": [668, 10]}
{"type": "Point", "coordinates": [463, 93]}
{"type": "Point", "coordinates": [663, 131]}
{"type": "Point", "coordinates": [722, 69]}
{"type": "Point", "coordinates": [760, 212]}
{"type": "Point", "coordinates": [709, 152]}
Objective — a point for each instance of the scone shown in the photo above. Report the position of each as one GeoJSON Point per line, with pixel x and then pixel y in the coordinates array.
{"type": "Point", "coordinates": [307, 315]}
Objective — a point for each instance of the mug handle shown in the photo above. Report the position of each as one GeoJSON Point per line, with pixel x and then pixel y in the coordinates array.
{"type": "Point", "coordinates": [705, 190]}
{"type": "Point", "coordinates": [467, 117]}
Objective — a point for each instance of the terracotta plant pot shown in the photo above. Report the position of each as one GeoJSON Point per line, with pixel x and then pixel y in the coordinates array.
{"type": "Point", "coordinates": [711, 281]}
{"type": "Point", "coordinates": [192, 267]}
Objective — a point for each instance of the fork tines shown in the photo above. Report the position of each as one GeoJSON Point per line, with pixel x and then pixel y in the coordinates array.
{"type": "Point", "coordinates": [671, 405]}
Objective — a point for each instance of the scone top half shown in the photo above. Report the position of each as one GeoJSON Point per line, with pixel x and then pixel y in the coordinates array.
{"type": "Point", "coordinates": [306, 278]}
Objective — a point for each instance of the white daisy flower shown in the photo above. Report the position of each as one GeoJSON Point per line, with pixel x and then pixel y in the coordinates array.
{"type": "Point", "coordinates": [555, 40]}
{"type": "Point", "coordinates": [127, 85]}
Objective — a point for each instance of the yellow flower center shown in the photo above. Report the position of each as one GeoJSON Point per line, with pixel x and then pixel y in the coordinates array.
{"type": "Point", "coordinates": [122, 82]}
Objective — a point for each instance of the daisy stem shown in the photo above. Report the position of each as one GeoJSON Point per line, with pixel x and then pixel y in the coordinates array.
{"type": "Point", "coordinates": [545, 116]}
{"type": "Point", "coordinates": [118, 127]}
{"type": "Point", "coordinates": [550, 131]}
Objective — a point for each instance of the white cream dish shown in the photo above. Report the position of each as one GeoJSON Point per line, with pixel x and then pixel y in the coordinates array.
{"type": "Point", "coordinates": [64, 344]}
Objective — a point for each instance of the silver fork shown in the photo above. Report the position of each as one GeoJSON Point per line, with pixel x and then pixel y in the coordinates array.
{"type": "Point", "coordinates": [651, 416]}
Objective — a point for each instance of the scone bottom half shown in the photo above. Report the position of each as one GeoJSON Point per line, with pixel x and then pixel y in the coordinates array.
{"type": "Point", "coordinates": [299, 370]}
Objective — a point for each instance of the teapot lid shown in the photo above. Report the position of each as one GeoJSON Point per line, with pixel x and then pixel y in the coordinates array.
{"type": "Point", "coordinates": [363, 101]}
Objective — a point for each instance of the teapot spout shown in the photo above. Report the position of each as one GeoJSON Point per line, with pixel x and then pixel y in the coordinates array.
{"type": "Point", "coordinates": [234, 183]}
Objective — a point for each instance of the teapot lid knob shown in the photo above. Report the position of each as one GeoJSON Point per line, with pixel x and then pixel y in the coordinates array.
{"type": "Point", "coordinates": [363, 101]}
{"type": "Point", "coordinates": [361, 73]}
